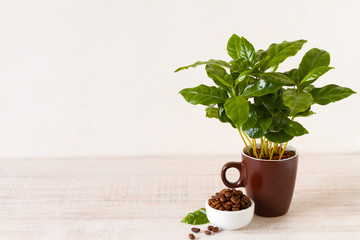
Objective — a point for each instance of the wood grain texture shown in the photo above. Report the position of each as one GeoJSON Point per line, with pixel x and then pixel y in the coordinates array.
{"type": "Point", "coordinates": [145, 198]}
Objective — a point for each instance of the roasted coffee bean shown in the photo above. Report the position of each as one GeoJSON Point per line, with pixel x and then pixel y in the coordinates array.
{"type": "Point", "coordinates": [228, 194]}
{"type": "Point", "coordinates": [221, 208]}
{"type": "Point", "coordinates": [235, 200]}
{"type": "Point", "coordinates": [218, 206]}
{"type": "Point", "coordinates": [207, 232]}
{"type": "Point", "coordinates": [215, 229]}
{"type": "Point", "coordinates": [236, 206]}
{"type": "Point", "coordinates": [191, 236]}
{"type": "Point", "coordinates": [235, 209]}
{"type": "Point", "coordinates": [195, 230]}
{"type": "Point", "coordinates": [222, 199]}
{"type": "Point", "coordinates": [229, 203]}
{"type": "Point", "coordinates": [210, 228]}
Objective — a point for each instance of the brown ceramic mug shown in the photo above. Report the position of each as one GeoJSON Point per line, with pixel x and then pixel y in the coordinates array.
{"type": "Point", "coordinates": [270, 183]}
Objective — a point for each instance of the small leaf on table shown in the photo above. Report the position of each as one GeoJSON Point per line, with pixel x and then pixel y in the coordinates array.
{"type": "Point", "coordinates": [196, 218]}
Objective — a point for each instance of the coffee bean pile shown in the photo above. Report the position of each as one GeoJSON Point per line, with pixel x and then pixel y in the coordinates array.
{"type": "Point", "coordinates": [207, 232]}
{"type": "Point", "coordinates": [229, 200]}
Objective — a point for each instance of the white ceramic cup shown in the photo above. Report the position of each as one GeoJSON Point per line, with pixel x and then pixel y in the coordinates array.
{"type": "Point", "coordinates": [230, 220]}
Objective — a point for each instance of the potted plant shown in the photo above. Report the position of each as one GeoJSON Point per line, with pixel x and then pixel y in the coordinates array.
{"type": "Point", "coordinates": [262, 105]}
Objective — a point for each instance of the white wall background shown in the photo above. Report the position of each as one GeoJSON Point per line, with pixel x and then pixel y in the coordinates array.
{"type": "Point", "coordinates": [95, 77]}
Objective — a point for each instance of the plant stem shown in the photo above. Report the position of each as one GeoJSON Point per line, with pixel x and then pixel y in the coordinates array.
{"type": "Point", "coordinates": [283, 150]}
{"type": "Point", "coordinates": [262, 147]}
{"type": "Point", "coordinates": [255, 148]}
{"type": "Point", "coordinates": [247, 148]}
{"type": "Point", "coordinates": [272, 152]}
{"type": "Point", "coordinates": [247, 138]}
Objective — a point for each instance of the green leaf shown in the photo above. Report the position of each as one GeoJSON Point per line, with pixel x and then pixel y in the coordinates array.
{"type": "Point", "coordinates": [252, 119]}
{"type": "Point", "coordinates": [278, 78]}
{"type": "Point", "coordinates": [233, 46]}
{"type": "Point", "coordinates": [222, 115]}
{"type": "Point", "coordinates": [219, 76]}
{"type": "Point", "coordinates": [211, 61]}
{"type": "Point", "coordinates": [196, 218]}
{"type": "Point", "coordinates": [212, 112]}
{"type": "Point", "coordinates": [278, 137]}
{"type": "Point", "coordinates": [313, 75]}
{"type": "Point", "coordinates": [293, 128]}
{"type": "Point", "coordinates": [297, 101]}
{"type": "Point", "coordinates": [239, 47]}
{"type": "Point", "coordinates": [261, 87]}
{"type": "Point", "coordinates": [255, 132]}
{"type": "Point", "coordinates": [237, 109]}
{"type": "Point", "coordinates": [204, 95]}
{"type": "Point", "coordinates": [277, 53]}
{"type": "Point", "coordinates": [314, 58]}
{"type": "Point", "coordinates": [330, 93]}
{"type": "Point", "coordinates": [247, 51]}
{"type": "Point", "coordinates": [265, 122]}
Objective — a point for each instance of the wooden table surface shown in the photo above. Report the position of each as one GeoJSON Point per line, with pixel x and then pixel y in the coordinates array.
{"type": "Point", "coordinates": [145, 198]}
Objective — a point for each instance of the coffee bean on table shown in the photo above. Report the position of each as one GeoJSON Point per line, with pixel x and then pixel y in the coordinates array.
{"type": "Point", "coordinates": [191, 236]}
{"type": "Point", "coordinates": [210, 228]}
{"type": "Point", "coordinates": [207, 232]}
{"type": "Point", "coordinates": [195, 230]}
{"type": "Point", "coordinates": [215, 229]}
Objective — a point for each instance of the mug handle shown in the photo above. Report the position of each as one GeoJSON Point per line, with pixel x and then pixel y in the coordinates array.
{"type": "Point", "coordinates": [239, 182]}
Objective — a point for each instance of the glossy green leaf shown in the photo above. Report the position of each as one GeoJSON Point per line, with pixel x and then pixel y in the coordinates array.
{"type": "Point", "coordinates": [278, 137]}
{"type": "Point", "coordinates": [219, 76]}
{"type": "Point", "coordinates": [261, 87]}
{"type": "Point", "coordinates": [297, 101]}
{"type": "Point", "coordinates": [314, 58]}
{"type": "Point", "coordinates": [247, 50]}
{"type": "Point", "coordinates": [279, 52]}
{"type": "Point", "coordinates": [330, 93]}
{"type": "Point", "coordinates": [239, 47]}
{"type": "Point", "coordinates": [233, 46]}
{"type": "Point", "coordinates": [294, 128]}
{"type": "Point", "coordinates": [211, 61]}
{"type": "Point", "coordinates": [222, 115]}
{"type": "Point", "coordinates": [255, 132]}
{"type": "Point", "coordinates": [204, 95]}
{"type": "Point", "coordinates": [265, 122]}
{"type": "Point", "coordinates": [212, 111]}
{"type": "Point", "coordinates": [313, 75]}
{"type": "Point", "coordinates": [196, 218]}
{"type": "Point", "coordinates": [252, 119]}
{"type": "Point", "coordinates": [237, 109]}
{"type": "Point", "coordinates": [278, 78]}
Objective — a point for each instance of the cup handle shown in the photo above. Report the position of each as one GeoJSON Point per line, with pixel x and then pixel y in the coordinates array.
{"type": "Point", "coordinates": [239, 182]}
